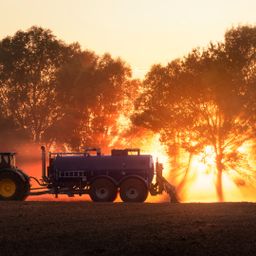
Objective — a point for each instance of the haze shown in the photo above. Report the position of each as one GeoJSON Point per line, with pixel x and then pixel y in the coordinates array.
{"type": "Point", "coordinates": [142, 32]}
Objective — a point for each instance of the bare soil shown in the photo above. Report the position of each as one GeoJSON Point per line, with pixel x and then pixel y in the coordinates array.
{"type": "Point", "coordinates": [85, 228]}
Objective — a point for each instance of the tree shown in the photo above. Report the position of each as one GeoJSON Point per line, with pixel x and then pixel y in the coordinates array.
{"type": "Point", "coordinates": [29, 62]}
{"type": "Point", "coordinates": [206, 99]}
{"type": "Point", "coordinates": [92, 92]}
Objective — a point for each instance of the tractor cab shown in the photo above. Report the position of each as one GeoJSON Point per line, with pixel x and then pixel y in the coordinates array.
{"type": "Point", "coordinates": [14, 184]}
{"type": "Point", "coordinates": [7, 160]}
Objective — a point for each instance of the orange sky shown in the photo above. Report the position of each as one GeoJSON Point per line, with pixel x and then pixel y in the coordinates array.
{"type": "Point", "coordinates": [142, 32]}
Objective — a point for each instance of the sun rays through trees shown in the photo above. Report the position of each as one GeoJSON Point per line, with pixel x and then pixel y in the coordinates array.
{"type": "Point", "coordinates": [206, 99]}
{"type": "Point", "coordinates": [198, 112]}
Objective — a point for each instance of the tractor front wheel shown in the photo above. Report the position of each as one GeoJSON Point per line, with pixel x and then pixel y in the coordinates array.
{"type": "Point", "coordinates": [12, 187]}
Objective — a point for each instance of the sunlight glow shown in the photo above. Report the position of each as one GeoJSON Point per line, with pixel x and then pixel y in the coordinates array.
{"type": "Point", "coordinates": [158, 151]}
{"type": "Point", "coordinates": [201, 183]}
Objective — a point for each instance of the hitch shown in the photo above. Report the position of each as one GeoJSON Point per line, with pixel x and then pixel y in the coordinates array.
{"type": "Point", "coordinates": [163, 185]}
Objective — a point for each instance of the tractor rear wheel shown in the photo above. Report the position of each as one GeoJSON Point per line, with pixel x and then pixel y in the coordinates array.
{"type": "Point", "coordinates": [12, 187]}
{"type": "Point", "coordinates": [103, 190]}
{"type": "Point", "coordinates": [133, 190]}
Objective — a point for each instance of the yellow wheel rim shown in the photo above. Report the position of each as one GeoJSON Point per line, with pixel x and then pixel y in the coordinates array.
{"type": "Point", "coordinates": [7, 188]}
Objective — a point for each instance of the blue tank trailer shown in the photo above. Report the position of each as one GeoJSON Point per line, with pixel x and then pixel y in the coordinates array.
{"type": "Point", "coordinates": [126, 172]}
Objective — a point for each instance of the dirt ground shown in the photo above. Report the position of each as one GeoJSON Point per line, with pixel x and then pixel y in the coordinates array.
{"type": "Point", "coordinates": [85, 228]}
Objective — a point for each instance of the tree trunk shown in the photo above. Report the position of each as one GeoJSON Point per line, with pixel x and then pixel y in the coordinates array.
{"type": "Point", "coordinates": [183, 182]}
{"type": "Point", "coordinates": [174, 155]}
{"type": "Point", "coordinates": [219, 186]}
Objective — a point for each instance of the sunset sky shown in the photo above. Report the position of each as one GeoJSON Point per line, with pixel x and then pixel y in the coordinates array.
{"type": "Point", "coordinates": [142, 32]}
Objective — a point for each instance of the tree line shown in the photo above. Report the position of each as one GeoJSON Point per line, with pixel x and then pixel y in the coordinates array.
{"type": "Point", "coordinates": [206, 98]}
{"type": "Point", "coordinates": [52, 92]}
{"type": "Point", "coordinates": [56, 93]}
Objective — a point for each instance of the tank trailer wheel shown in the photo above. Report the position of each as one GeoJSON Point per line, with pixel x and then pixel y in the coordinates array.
{"type": "Point", "coordinates": [103, 190]}
{"type": "Point", "coordinates": [133, 190]}
{"type": "Point", "coordinates": [12, 187]}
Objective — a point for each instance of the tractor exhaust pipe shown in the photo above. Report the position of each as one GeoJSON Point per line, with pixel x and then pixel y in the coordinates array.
{"type": "Point", "coordinates": [43, 163]}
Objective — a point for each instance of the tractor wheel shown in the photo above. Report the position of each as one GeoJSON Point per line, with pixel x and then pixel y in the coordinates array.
{"type": "Point", "coordinates": [12, 187]}
{"type": "Point", "coordinates": [103, 190]}
{"type": "Point", "coordinates": [133, 190]}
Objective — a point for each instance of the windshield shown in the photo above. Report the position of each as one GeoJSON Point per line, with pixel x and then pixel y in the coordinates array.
{"type": "Point", "coordinates": [12, 161]}
{"type": "Point", "coordinates": [7, 160]}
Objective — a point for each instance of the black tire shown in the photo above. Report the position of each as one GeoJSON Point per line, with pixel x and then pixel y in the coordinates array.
{"type": "Point", "coordinates": [133, 190]}
{"type": "Point", "coordinates": [13, 187]}
{"type": "Point", "coordinates": [103, 190]}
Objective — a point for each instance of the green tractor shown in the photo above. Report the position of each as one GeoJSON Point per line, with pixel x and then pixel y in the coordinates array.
{"type": "Point", "coordinates": [14, 183]}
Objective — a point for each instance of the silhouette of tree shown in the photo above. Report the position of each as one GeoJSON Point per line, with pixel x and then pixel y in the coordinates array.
{"type": "Point", "coordinates": [206, 98]}
{"type": "Point", "coordinates": [28, 64]}
{"type": "Point", "coordinates": [92, 92]}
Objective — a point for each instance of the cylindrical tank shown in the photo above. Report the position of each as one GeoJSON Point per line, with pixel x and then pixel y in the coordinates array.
{"type": "Point", "coordinates": [116, 167]}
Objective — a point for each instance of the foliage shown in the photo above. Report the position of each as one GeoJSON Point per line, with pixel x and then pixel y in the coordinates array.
{"type": "Point", "coordinates": [91, 91]}
{"type": "Point", "coordinates": [57, 93]}
{"type": "Point", "coordinates": [206, 98]}
{"type": "Point", "coordinates": [28, 65]}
